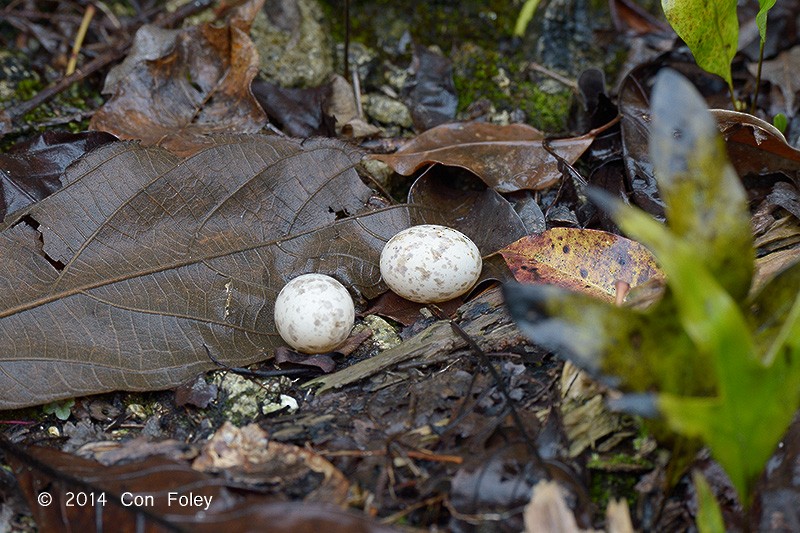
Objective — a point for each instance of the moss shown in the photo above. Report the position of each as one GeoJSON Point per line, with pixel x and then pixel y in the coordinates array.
{"type": "Point", "coordinates": [614, 462]}
{"type": "Point", "coordinates": [607, 486]}
{"type": "Point", "coordinates": [480, 73]}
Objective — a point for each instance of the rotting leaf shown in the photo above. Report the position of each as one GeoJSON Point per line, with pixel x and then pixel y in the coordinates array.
{"type": "Point", "coordinates": [587, 261]}
{"type": "Point", "coordinates": [507, 158]}
{"type": "Point", "coordinates": [200, 86]}
{"type": "Point", "coordinates": [142, 262]}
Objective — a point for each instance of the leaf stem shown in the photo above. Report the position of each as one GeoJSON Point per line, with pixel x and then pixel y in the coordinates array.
{"type": "Point", "coordinates": [758, 78]}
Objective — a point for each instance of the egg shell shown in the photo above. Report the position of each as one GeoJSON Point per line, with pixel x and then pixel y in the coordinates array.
{"type": "Point", "coordinates": [314, 313]}
{"type": "Point", "coordinates": [430, 263]}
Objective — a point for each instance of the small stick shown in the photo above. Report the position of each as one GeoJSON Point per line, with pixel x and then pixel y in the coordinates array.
{"type": "Point", "coordinates": [81, 35]}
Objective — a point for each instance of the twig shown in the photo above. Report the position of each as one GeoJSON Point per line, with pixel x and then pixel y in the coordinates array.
{"type": "Point", "coordinates": [259, 373]}
{"type": "Point", "coordinates": [572, 84]}
{"type": "Point", "coordinates": [501, 386]}
{"type": "Point", "coordinates": [79, 37]}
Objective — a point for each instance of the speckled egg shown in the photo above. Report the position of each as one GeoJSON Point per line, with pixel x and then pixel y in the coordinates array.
{"type": "Point", "coordinates": [314, 313]}
{"type": "Point", "coordinates": [429, 263]}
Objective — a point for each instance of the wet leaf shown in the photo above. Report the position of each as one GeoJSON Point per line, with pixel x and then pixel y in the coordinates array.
{"type": "Point", "coordinates": [142, 262]}
{"type": "Point", "coordinates": [710, 29]}
{"type": "Point", "coordinates": [506, 158]}
{"type": "Point", "coordinates": [199, 86]}
{"type": "Point", "coordinates": [30, 171]}
{"type": "Point", "coordinates": [587, 261]}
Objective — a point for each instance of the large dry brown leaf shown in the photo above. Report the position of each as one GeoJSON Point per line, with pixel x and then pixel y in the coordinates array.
{"type": "Point", "coordinates": [124, 278]}
{"type": "Point", "coordinates": [200, 86]}
{"type": "Point", "coordinates": [507, 158]}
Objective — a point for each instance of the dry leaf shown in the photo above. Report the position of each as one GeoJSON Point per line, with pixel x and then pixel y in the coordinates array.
{"type": "Point", "coordinates": [142, 264]}
{"type": "Point", "coordinates": [507, 158]}
{"type": "Point", "coordinates": [587, 261]}
{"type": "Point", "coordinates": [200, 86]}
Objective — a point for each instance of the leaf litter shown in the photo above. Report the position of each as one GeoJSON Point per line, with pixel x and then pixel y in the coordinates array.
{"type": "Point", "coordinates": [414, 418]}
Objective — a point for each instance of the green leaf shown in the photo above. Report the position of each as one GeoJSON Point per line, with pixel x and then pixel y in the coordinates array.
{"type": "Point", "coordinates": [742, 355]}
{"type": "Point", "coordinates": [761, 18]}
{"type": "Point", "coordinates": [709, 516]}
{"type": "Point", "coordinates": [780, 121]}
{"type": "Point", "coordinates": [706, 205]}
{"type": "Point", "coordinates": [710, 29]}
{"type": "Point", "coordinates": [620, 346]}
{"type": "Point", "coordinates": [61, 409]}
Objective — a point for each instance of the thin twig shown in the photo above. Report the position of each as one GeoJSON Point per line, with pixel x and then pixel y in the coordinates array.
{"type": "Point", "coordinates": [88, 15]}
{"type": "Point", "coordinates": [572, 84]}
{"type": "Point", "coordinates": [501, 386]}
{"type": "Point", "coordinates": [259, 373]}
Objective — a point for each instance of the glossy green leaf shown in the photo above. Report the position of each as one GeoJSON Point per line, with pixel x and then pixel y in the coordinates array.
{"type": "Point", "coordinates": [710, 29]}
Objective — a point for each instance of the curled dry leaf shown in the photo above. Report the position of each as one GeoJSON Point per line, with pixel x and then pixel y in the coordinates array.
{"type": "Point", "coordinates": [581, 260]}
{"type": "Point", "coordinates": [141, 264]}
{"type": "Point", "coordinates": [756, 146]}
{"type": "Point", "coordinates": [199, 86]}
{"type": "Point", "coordinates": [507, 158]}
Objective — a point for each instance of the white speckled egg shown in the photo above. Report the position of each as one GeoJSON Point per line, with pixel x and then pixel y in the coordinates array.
{"type": "Point", "coordinates": [429, 263]}
{"type": "Point", "coordinates": [314, 313]}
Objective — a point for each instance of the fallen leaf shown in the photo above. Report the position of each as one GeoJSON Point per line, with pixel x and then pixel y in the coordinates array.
{"type": "Point", "coordinates": [142, 264]}
{"type": "Point", "coordinates": [582, 260]}
{"type": "Point", "coordinates": [30, 170]}
{"type": "Point", "coordinates": [200, 86]}
{"type": "Point", "coordinates": [298, 112]}
{"type": "Point", "coordinates": [755, 146]}
{"type": "Point", "coordinates": [548, 511]}
{"type": "Point", "coordinates": [507, 158]}
{"type": "Point", "coordinates": [470, 210]}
